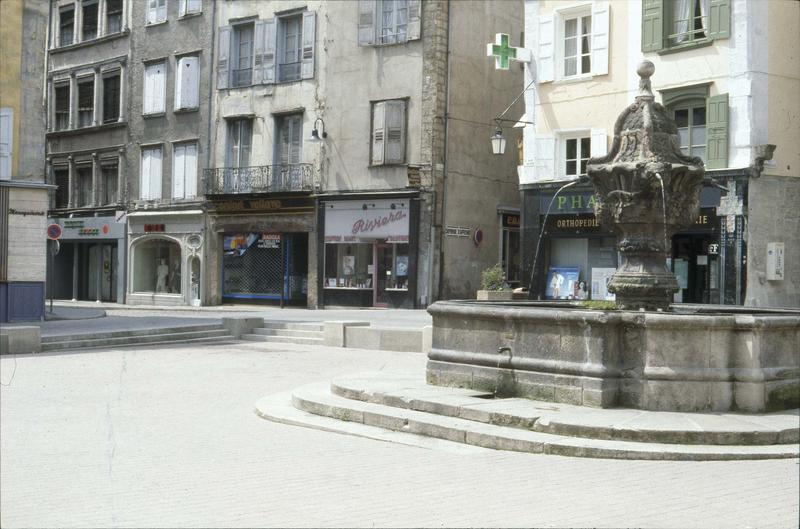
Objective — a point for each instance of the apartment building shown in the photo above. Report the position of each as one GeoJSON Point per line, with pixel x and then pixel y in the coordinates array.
{"type": "Point", "coordinates": [727, 71]}
{"type": "Point", "coordinates": [23, 191]}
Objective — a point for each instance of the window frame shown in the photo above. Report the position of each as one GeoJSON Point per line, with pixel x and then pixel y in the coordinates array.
{"type": "Point", "coordinates": [151, 148]}
{"type": "Point", "coordinates": [281, 62]}
{"type": "Point", "coordinates": [105, 165]}
{"type": "Point", "coordinates": [562, 16]}
{"type": "Point", "coordinates": [294, 122]}
{"type": "Point", "coordinates": [185, 6]}
{"type": "Point", "coordinates": [381, 25]}
{"type": "Point", "coordinates": [116, 13]}
{"type": "Point", "coordinates": [235, 125]}
{"type": "Point", "coordinates": [186, 188]}
{"type": "Point", "coordinates": [156, 8]}
{"type": "Point", "coordinates": [84, 180]}
{"type": "Point", "coordinates": [235, 58]}
{"type": "Point", "coordinates": [61, 25]}
{"type": "Point", "coordinates": [401, 103]}
{"type": "Point", "coordinates": [80, 110]}
{"type": "Point", "coordinates": [89, 4]}
{"type": "Point", "coordinates": [113, 74]}
{"type": "Point", "coordinates": [690, 105]}
{"type": "Point", "coordinates": [579, 137]}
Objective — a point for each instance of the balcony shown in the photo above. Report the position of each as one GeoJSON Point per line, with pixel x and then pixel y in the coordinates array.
{"type": "Point", "coordinates": [290, 178]}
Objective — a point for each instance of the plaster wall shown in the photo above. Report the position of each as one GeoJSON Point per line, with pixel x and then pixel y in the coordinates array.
{"type": "Point", "coordinates": [26, 248]}
{"type": "Point", "coordinates": [10, 86]}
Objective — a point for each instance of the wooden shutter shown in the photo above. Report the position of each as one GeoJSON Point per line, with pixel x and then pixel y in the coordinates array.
{"type": "Point", "coordinates": [178, 171]}
{"type": "Point", "coordinates": [269, 53]}
{"type": "Point", "coordinates": [600, 23]}
{"type": "Point", "coordinates": [183, 9]}
{"type": "Point", "coordinates": [413, 29]}
{"type": "Point", "coordinates": [190, 170]}
{"type": "Point", "coordinates": [378, 132]}
{"type": "Point", "coordinates": [652, 25]}
{"type": "Point", "coordinates": [148, 101]}
{"type": "Point", "coordinates": [307, 49]}
{"type": "Point", "coordinates": [366, 22]}
{"type": "Point", "coordinates": [155, 173]}
{"type": "Point", "coordinates": [152, 11]}
{"type": "Point", "coordinates": [144, 181]}
{"type": "Point", "coordinates": [161, 12]}
{"type": "Point", "coordinates": [190, 82]}
{"type": "Point", "coordinates": [599, 143]}
{"type": "Point", "coordinates": [719, 19]}
{"type": "Point", "coordinates": [296, 138]}
{"type": "Point", "coordinates": [258, 52]}
{"type": "Point", "coordinates": [546, 42]}
{"type": "Point", "coordinates": [395, 140]}
{"type": "Point", "coordinates": [6, 141]}
{"type": "Point", "coordinates": [544, 164]}
{"type": "Point", "coordinates": [160, 85]}
{"type": "Point", "coordinates": [717, 132]}
{"type": "Point", "coordinates": [223, 57]}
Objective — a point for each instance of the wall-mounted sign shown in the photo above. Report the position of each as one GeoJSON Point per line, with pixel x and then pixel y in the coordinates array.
{"type": "Point", "coordinates": [26, 212]}
{"type": "Point", "coordinates": [154, 228]}
{"type": "Point", "coordinates": [54, 232]}
{"type": "Point", "coordinates": [477, 237]}
{"type": "Point", "coordinates": [578, 202]}
{"type": "Point", "coordinates": [353, 220]}
{"type": "Point", "coordinates": [510, 221]}
{"type": "Point", "coordinates": [775, 261]}
{"type": "Point", "coordinates": [270, 240]}
{"type": "Point", "coordinates": [457, 231]}
{"type": "Point", "coordinates": [262, 204]}
{"type": "Point", "coordinates": [91, 228]}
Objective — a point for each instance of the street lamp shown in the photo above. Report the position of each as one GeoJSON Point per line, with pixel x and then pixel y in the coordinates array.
{"type": "Point", "coordinates": [498, 142]}
{"type": "Point", "coordinates": [497, 139]}
{"type": "Point", "coordinates": [316, 134]}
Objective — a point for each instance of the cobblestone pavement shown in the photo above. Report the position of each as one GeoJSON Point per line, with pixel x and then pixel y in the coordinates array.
{"type": "Point", "coordinates": [167, 437]}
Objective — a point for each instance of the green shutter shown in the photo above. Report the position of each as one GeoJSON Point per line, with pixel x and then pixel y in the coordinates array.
{"type": "Point", "coordinates": [717, 132]}
{"type": "Point", "coordinates": [652, 25]}
{"type": "Point", "coordinates": [719, 19]}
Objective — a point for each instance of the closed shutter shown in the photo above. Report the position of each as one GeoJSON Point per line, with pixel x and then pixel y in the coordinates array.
{"type": "Point", "coordinates": [307, 50]}
{"type": "Point", "coordinates": [161, 12]}
{"type": "Point", "coordinates": [599, 143]}
{"type": "Point", "coordinates": [544, 164]}
{"type": "Point", "coordinates": [190, 82]}
{"type": "Point", "coordinates": [155, 173]}
{"type": "Point", "coordinates": [258, 52]}
{"type": "Point", "coordinates": [296, 138]}
{"type": "Point", "coordinates": [366, 22]}
{"type": "Point", "coordinates": [183, 8]}
{"type": "Point", "coordinates": [178, 171]}
{"type": "Point", "coordinates": [152, 11]}
{"type": "Point", "coordinates": [269, 53]}
{"type": "Point", "coordinates": [652, 25]}
{"type": "Point", "coordinates": [154, 87]}
{"type": "Point", "coordinates": [223, 57]}
{"type": "Point", "coordinates": [600, 23]}
{"type": "Point", "coordinates": [190, 171]}
{"type": "Point", "coordinates": [147, 99]}
{"type": "Point", "coordinates": [717, 132]}
{"type": "Point", "coordinates": [160, 87]}
{"type": "Point", "coordinates": [546, 66]}
{"type": "Point", "coordinates": [719, 19]}
{"type": "Point", "coordinates": [395, 132]}
{"type": "Point", "coordinates": [6, 142]}
{"type": "Point", "coordinates": [414, 19]}
{"type": "Point", "coordinates": [144, 183]}
{"type": "Point", "coordinates": [378, 132]}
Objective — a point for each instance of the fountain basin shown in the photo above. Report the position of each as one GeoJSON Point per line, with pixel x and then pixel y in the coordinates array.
{"type": "Point", "coordinates": [706, 360]}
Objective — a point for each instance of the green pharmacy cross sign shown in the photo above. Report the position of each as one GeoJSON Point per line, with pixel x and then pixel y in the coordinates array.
{"type": "Point", "coordinates": [502, 52]}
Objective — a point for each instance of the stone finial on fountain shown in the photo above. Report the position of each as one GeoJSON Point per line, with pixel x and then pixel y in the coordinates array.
{"type": "Point", "coordinates": [645, 70]}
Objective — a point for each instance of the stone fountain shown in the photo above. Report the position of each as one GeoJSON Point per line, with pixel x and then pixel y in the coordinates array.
{"type": "Point", "coordinates": [644, 355]}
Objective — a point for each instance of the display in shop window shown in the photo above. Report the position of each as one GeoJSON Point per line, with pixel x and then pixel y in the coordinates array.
{"type": "Point", "coordinates": [561, 282]}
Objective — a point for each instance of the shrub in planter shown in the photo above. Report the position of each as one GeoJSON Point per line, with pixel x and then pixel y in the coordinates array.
{"type": "Point", "coordinates": [493, 278]}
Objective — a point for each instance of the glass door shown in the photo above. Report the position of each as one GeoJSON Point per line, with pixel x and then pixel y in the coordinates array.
{"type": "Point", "coordinates": [384, 279]}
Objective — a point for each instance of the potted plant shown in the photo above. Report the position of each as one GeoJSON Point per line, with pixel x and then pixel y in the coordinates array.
{"type": "Point", "coordinates": [493, 285]}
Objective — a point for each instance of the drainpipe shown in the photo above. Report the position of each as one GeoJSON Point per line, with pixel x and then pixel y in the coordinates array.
{"type": "Point", "coordinates": [211, 71]}
{"type": "Point", "coordinates": [444, 161]}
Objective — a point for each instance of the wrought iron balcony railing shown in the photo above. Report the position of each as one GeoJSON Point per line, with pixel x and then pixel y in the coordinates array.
{"type": "Point", "coordinates": [259, 179]}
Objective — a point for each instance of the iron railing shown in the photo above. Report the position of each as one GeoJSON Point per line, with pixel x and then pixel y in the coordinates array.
{"type": "Point", "coordinates": [259, 179]}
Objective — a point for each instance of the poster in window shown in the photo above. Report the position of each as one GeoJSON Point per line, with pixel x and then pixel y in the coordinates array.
{"type": "Point", "coordinates": [349, 264]}
{"type": "Point", "coordinates": [402, 266]}
{"type": "Point", "coordinates": [600, 279]}
{"type": "Point", "coordinates": [561, 282]}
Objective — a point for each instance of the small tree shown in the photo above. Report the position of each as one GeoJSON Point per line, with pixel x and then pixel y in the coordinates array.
{"type": "Point", "coordinates": [493, 278]}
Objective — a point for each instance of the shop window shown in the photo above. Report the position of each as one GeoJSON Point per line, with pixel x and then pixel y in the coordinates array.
{"type": "Point", "coordinates": [61, 96]}
{"type": "Point", "coordinates": [89, 22]}
{"type": "Point", "coordinates": [86, 102]}
{"type": "Point", "coordinates": [151, 173]}
{"type": "Point", "coordinates": [187, 83]}
{"type": "Point", "coordinates": [66, 25]}
{"type": "Point", "coordinates": [388, 21]}
{"type": "Point", "coordinates": [184, 170]}
{"type": "Point", "coordinates": [83, 186]}
{"type": "Point", "coordinates": [155, 81]}
{"type": "Point", "coordinates": [109, 176]}
{"type": "Point", "coordinates": [156, 11]}
{"type": "Point", "coordinates": [388, 132]}
{"type": "Point", "coordinates": [157, 267]}
{"type": "Point", "coordinates": [111, 97]}
{"type": "Point", "coordinates": [113, 16]}
{"type": "Point", "coordinates": [678, 24]}
{"type": "Point", "coordinates": [349, 266]}
{"type": "Point", "coordinates": [61, 179]}
{"type": "Point", "coordinates": [190, 7]}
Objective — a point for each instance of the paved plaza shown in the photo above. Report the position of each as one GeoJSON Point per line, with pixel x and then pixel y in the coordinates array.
{"type": "Point", "coordinates": [167, 437]}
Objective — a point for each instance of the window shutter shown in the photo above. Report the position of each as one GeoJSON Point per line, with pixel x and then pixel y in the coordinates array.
{"type": "Point", "coordinates": [719, 19]}
{"type": "Point", "coordinates": [6, 141]}
{"type": "Point", "coordinates": [599, 143]}
{"type": "Point", "coordinates": [190, 171]}
{"type": "Point", "coordinates": [366, 22]}
{"type": "Point", "coordinates": [600, 18]}
{"type": "Point", "coordinates": [414, 19]}
{"type": "Point", "coordinates": [546, 66]}
{"type": "Point", "coordinates": [258, 52]}
{"type": "Point", "coordinates": [155, 173]}
{"type": "Point", "coordinates": [378, 132]}
{"type": "Point", "coordinates": [269, 53]}
{"type": "Point", "coordinates": [195, 6]}
{"type": "Point", "coordinates": [144, 190]}
{"type": "Point", "coordinates": [652, 25]}
{"type": "Point", "coordinates": [147, 103]}
{"type": "Point", "coordinates": [717, 132]}
{"type": "Point", "coordinates": [395, 132]}
{"type": "Point", "coordinates": [190, 82]}
{"type": "Point", "coordinates": [160, 83]}
{"type": "Point", "coordinates": [183, 8]}
{"type": "Point", "coordinates": [296, 138]}
{"type": "Point", "coordinates": [161, 12]}
{"type": "Point", "coordinates": [179, 84]}
{"type": "Point", "coordinates": [544, 164]}
{"type": "Point", "coordinates": [309, 31]}
{"type": "Point", "coordinates": [152, 11]}
{"type": "Point", "coordinates": [178, 171]}
{"type": "Point", "coordinates": [223, 56]}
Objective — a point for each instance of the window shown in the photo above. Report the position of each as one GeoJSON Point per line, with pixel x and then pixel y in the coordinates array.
{"type": "Point", "coordinates": [89, 20]}
{"type": "Point", "coordinates": [565, 155]}
{"type": "Point", "coordinates": [388, 132]}
{"type": "Point", "coordinates": [189, 7]}
{"type": "Point", "coordinates": [154, 88]}
{"type": "Point", "coordinates": [86, 103]}
{"type": "Point", "coordinates": [573, 42]}
{"type": "Point", "coordinates": [702, 123]}
{"type": "Point", "coordinates": [184, 170]}
{"type": "Point", "coordinates": [238, 151]}
{"type": "Point", "coordinates": [290, 46]}
{"type": "Point", "coordinates": [6, 141]}
{"type": "Point", "coordinates": [111, 97]}
{"type": "Point", "coordinates": [388, 21]}
{"type": "Point", "coordinates": [61, 179]}
{"type": "Point", "coordinates": [62, 106]}
{"type": "Point", "coordinates": [577, 47]}
{"type": "Point", "coordinates": [109, 173]}
{"type": "Point", "coordinates": [66, 25]}
{"type": "Point", "coordinates": [83, 186]}
{"type": "Point", "coordinates": [187, 84]}
{"type": "Point", "coordinates": [290, 134]}
{"type": "Point", "coordinates": [151, 174]}
{"type": "Point", "coordinates": [576, 155]}
{"type": "Point", "coordinates": [668, 24]}
{"type": "Point", "coordinates": [242, 72]}
{"type": "Point", "coordinates": [157, 267]}
{"type": "Point", "coordinates": [156, 11]}
{"type": "Point", "coordinates": [691, 122]}
{"type": "Point", "coordinates": [113, 16]}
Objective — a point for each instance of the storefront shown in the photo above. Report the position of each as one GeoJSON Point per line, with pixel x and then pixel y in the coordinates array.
{"type": "Point", "coordinates": [510, 258]}
{"type": "Point", "coordinates": [261, 251]}
{"type": "Point", "coordinates": [166, 257]}
{"type": "Point", "coordinates": [370, 252]}
{"type": "Point", "coordinates": [90, 261]}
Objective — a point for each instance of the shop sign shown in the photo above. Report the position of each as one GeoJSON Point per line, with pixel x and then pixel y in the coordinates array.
{"type": "Point", "coordinates": [457, 231]}
{"type": "Point", "coordinates": [270, 240]}
{"type": "Point", "coordinates": [26, 212]}
{"type": "Point", "coordinates": [91, 228]}
{"type": "Point", "coordinates": [154, 228]}
{"type": "Point", "coordinates": [510, 221]}
{"type": "Point", "coordinates": [348, 221]}
{"type": "Point", "coordinates": [582, 202]}
{"type": "Point", "coordinates": [261, 204]}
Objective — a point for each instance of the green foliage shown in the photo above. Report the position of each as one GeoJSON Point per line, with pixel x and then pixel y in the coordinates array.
{"type": "Point", "coordinates": [599, 305]}
{"type": "Point", "coordinates": [493, 278]}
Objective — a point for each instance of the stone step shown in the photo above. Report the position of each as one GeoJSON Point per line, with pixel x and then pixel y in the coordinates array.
{"type": "Point", "coordinates": [288, 332]}
{"type": "Point", "coordinates": [615, 424]}
{"type": "Point", "coordinates": [139, 340]}
{"type": "Point", "coordinates": [283, 339]}
{"type": "Point", "coordinates": [133, 332]}
{"type": "Point", "coordinates": [318, 399]}
{"type": "Point", "coordinates": [296, 325]}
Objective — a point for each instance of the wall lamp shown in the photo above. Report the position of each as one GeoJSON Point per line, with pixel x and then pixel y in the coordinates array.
{"type": "Point", "coordinates": [318, 134]}
{"type": "Point", "coordinates": [497, 139]}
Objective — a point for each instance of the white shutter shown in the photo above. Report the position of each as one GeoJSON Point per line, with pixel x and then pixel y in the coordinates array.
{"type": "Point", "coordinates": [183, 8]}
{"type": "Point", "coordinates": [160, 87]}
{"type": "Point", "coordinates": [258, 52]}
{"type": "Point", "coordinates": [161, 12]}
{"type": "Point", "coordinates": [307, 49]}
{"type": "Point", "coordinates": [545, 158]}
{"type": "Point", "coordinates": [546, 43]}
{"type": "Point", "coordinates": [187, 83]}
{"type": "Point", "coordinates": [147, 99]}
{"type": "Point", "coordinates": [296, 138]}
{"type": "Point", "coordinates": [195, 6]}
{"type": "Point", "coordinates": [223, 56]}
{"type": "Point", "coordinates": [395, 132]}
{"type": "Point", "coordinates": [155, 173]}
{"type": "Point", "coordinates": [179, 83]}
{"type": "Point", "coordinates": [152, 11]}
{"type": "Point", "coordinates": [144, 184]}
{"type": "Point", "coordinates": [414, 19]}
{"type": "Point", "coordinates": [366, 22]}
{"type": "Point", "coordinates": [154, 88]}
{"type": "Point", "coordinates": [378, 132]}
{"type": "Point", "coordinates": [6, 142]}
{"type": "Point", "coordinates": [190, 171]}
{"type": "Point", "coordinates": [600, 23]}
{"type": "Point", "coordinates": [178, 170]}
{"type": "Point", "coordinates": [599, 143]}
{"type": "Point", "coordinates": [269, 50]}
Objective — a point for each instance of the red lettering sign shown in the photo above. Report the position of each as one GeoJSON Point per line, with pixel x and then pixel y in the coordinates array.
{"type": "Point", "coordinates": [369, 225]}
